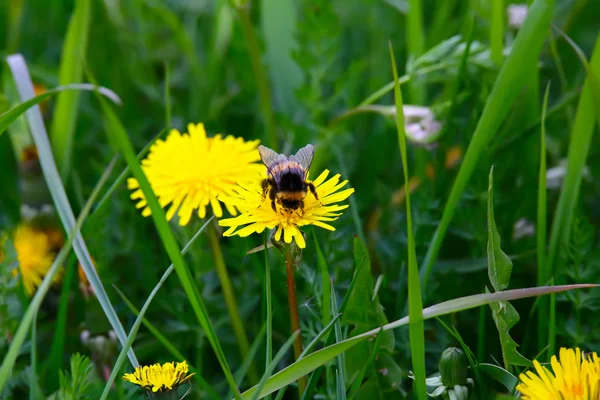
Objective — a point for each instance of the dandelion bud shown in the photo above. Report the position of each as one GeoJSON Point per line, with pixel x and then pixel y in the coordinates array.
{"type": "Point", "coordinates": [453, 367]}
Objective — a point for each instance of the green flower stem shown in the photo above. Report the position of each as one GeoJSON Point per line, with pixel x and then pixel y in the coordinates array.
{"type": "Point", "coordinates": [232, 308]}
{"type": "Point", "coordinates": [264, 92]}
{"type": "Point", "coordinates": [293, 304]}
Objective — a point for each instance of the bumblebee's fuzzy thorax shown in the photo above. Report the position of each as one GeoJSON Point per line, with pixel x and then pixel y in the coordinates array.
{"type": "Point", "coordinates": [297, 196]}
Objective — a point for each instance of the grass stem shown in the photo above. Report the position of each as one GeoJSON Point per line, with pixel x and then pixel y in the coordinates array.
{"type": "Point", "coordinates": [293, 304]}
{"type": "Point", "coordinates": [232, 308]}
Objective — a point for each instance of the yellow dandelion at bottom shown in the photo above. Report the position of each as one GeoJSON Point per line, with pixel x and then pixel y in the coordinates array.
{"type": "Point", "coordinates": [35, 256]}
{"type": "Point", "coordinates": [190, 170]}
{"type": "Point", "coordinates": [160, 378]}
{"type": "Point", "coordinates": [257, 213]}
{"type": "Point", "coordinates": [575, 377]}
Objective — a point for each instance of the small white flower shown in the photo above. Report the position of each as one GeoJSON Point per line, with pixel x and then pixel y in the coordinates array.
{"type": "Point", "coordinates": [516, 15]}
{"type": "Point", "coordinates": [523, 228]}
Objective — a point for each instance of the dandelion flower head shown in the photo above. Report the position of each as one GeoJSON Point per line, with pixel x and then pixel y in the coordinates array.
{"type": "Point", "coordinates": [257, 214]}
{"type": "Point", "coordinates": [160, 378]}
{"type": "Point", "coordinates": [189, 171]}
{"type": "Point", "coordinates": [573, 377]}
{"type": "Point", "coordinates": [35, 255]}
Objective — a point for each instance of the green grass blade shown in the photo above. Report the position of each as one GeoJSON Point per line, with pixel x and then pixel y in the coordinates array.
{"type": "Point", "coordinates": [415, 43]}
{"type": "Point", "coordinates": [11, 115]}
{"type": "Point", "coordinates": [325, 283]}
{"type": "Point", "coordinates": [507, 88]}
{"type": "Point", "coordinates": [311, 362]}
{"type": "Point", "coordinates": [242, 371]}
{"type": "Point", "coordinates": [168, 239]}
{"type": "Point", "coordinates": [104, 201]}
{"type": "Point", "coordinates": [415, 301]}
{"type": "Point", "coordinates": [278, 23]}
{"type": "Point", "coordinates": [54, 362]}
{"type": "Point", "coordinates": [19, 338]}
{"type": "Point", "coordinates": [286, 346]}
{"type": "Point", "coordinates": [34, 393]}
{"type": "Point", "coordinates": [341, 359]}
{"type": "Point", "coordinates": [543, 273]}
{"type": "Point", "coordinates": [497, 15]}
{"type": "Point", "coordinates": [579, 146]}
{"type": "Point", "coordinates": [269, 345]}
{"type": "Point", "coordinates": [72, 60]}
{"type": "Point", "coordinates": [61, 202]}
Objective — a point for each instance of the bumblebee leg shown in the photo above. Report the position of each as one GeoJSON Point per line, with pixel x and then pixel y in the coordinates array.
{"type": "Point", "coordinates": [313, 190]}
{"type": "Point", "coordinates": [273, 197]}
{"type": "Point", "coordinates": [265, 186]}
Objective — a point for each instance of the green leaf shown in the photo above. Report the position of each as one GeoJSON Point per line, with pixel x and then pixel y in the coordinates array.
{"type": "Point", "coordinates": [62, 131]}
{"type": "Point", "coordinates": [505, 317]}
{"type": "Point", "coordinates": [315, 360]}
{"type": "Point", "coordinates": [278, 23]}
{"type": "Point", "coordinates": [499, 269]}
{"type": "Point", "coordinates": [364, 312]}
{"type": "Point", "coordinates": [499, 375]}
{"type": "Point", "coordinates": [499, 264]}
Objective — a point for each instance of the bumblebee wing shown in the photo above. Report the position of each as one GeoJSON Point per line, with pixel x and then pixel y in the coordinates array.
{"type": "Point", "coordinates": [304, 156]}
{"type": "Point", "coordinates": [268, 156]}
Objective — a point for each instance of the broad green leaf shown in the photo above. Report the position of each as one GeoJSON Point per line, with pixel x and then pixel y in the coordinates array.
{"type": "Point", "coordinates": [363, 313]}
{"type": "Point", "coordinates": [499, 269]}
{"type": "Point", "coordinates": [315, 360]}
{"type": "Point", "coordinates": [62, 131]}
{"type": "Point", "coordinates": [499, 264]}
{"type": "Point", "coordinates": [499, 375]}
{"type": "Point", "coordinates": [505, 317]}
{"type": "Point", "coordinates": [278, 23]}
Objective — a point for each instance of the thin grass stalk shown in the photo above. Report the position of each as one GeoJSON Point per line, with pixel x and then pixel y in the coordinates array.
{"type": "Point", "coordinates": [260, 73]}
{"type": "Point", "coordinates": [542, 269]}
{"type": "Point", "coordinates": [415, 44]}
{"type": "Point", "coordinates": [497, 30]}
{"type": "Point", "coordinates": [230, 301]}
{"type": "Point", "coordinates": [290, 268]}
{"type": "Point", "coordinates": [269, 304]}
{"type": "Point", "coordinates": [415, 300]}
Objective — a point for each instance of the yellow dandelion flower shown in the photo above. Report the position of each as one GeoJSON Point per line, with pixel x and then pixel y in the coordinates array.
{"type": "Point", "coordinates": [190, 170]}
{"type": "Point", "coordinates": [257, 213]}
{"type": "Point", "coordinates": [35, 255]}
{"type": "Point", "coordinates": [574, 377]}
{"type": "Point", "coordinates": [160, 378]}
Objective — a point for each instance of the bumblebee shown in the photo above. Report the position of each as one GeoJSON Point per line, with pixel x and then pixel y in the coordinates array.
{"type": "Point", "coordinates": [286, 177]}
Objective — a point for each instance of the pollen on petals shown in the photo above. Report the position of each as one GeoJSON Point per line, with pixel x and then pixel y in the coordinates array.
{"type": "Point", "coordinates": [188, 172]}
{"type": "Point", "coordinates": [257, 214]}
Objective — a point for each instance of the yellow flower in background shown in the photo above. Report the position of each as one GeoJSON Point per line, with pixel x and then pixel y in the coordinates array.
{"type": "Point", "coordinates": [35, 256]}
{"type": "Point", "coordinates": [189, 171]}
{"type": "Point", "coordinates": [574, 377]}
{"type": "Point", "coordinates": [257, 213]}
{"type": "Point", "coordinates": [160, 378]}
